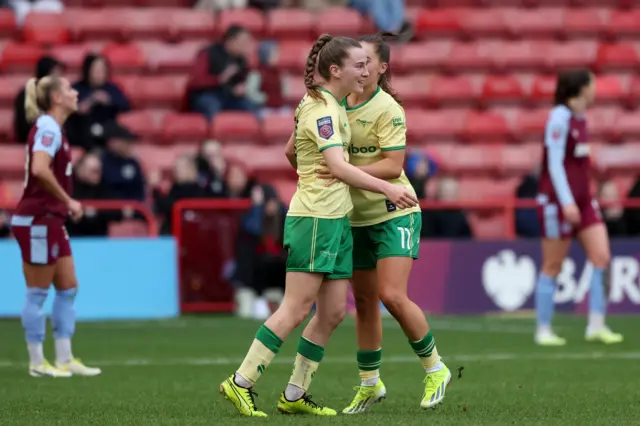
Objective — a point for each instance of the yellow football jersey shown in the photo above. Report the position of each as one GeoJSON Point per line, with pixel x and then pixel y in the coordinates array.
{"type": "Point", "coordinates": [377, 125]}
{"type": "Point", "coordinates": [320, 126]}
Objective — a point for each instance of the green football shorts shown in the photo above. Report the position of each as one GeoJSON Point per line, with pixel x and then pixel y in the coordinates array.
{"type": "Point", "coordinates": [319, 246]}
{"type": "Point", "coordinates": [397, 237]}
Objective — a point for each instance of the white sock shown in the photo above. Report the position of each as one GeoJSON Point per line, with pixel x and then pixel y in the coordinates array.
{"type": "Point", "coordinates": [596, 321]}
{"type": "Point", "coordinates": [63, 351]}
{"type": "Point", "coordinates": [242, 382]}
{"type": "Point", "coordinates": [293, 393]}
{"type": "Point", "coordinates": [437, 367]}
{"type": "Point", "coordinates": [370, 382]}
{"type": "Point", "coordinates": [36, 356]}
{"type": "Point", "coordinates": [544, 329]}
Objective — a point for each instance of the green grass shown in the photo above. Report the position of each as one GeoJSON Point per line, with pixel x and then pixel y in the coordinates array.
{"type": "Point", "coordinates": [168, 373]}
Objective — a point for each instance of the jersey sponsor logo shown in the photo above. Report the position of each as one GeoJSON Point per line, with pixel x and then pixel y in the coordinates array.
{"type": "Point", "coordinates": [47, 138]}
{"type": "Point", "coordinates": [362, 149]}
{"type": "Point", "coordinates": [363, 123]}
{"type": "Point", "coordinates": [397, 122]}
{"type": "Point", "coordinates": [390, 206]}
{"type": "Point", "coordinates": [325, 127]}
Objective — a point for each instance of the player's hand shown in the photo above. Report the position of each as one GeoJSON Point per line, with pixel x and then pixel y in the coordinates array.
{"type": "Point", "coordinates": [102, 97]}
{"type": "Point", "coordinates": [325, 174]}
{"type": "Point", "coordinates": [257, 195]}
{"type": "Point", "coordinates": [571, 214]}
{"type": "Point", "coordinates": [239, 89]}
{"type": "Point", "coordinates": [400, 196]}
{"type": "Point", "coordinates": [75, 210]}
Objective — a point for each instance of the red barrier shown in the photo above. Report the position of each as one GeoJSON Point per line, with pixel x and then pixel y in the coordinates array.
{"type": "Point", "coordinates": [212, 290]}
{"type": "Point", "coordinates": [152, 222]}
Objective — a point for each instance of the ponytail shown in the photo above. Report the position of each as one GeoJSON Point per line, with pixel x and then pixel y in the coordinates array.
{"type": "Point", "coordinates": [37, 96]}
{"type": "Point", "coordinates": [31, 100]}
{"type": "Point", "coordinates": [310, 70]}
{"type": "Point", "coordinates": [383, 50]}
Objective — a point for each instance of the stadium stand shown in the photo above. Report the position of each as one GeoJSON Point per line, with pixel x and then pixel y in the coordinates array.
{"type": "Point", "coordinates": [475, 81]}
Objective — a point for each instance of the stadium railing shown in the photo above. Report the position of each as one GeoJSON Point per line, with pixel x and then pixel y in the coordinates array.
{"type": "Point", "coordinates": [204, 284]}
{"type": "Point", "coordinates": [106, 205]}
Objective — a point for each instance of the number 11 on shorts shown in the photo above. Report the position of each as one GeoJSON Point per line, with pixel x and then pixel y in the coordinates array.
{"type": "Point", "coordinates": [405, 238]}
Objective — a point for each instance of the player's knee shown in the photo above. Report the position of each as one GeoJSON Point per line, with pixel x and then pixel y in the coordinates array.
{"type": "Point", "coordinates": [296, 312]}
{"type": "Point", "coordinates": [332, 318]}
{"type": "Point", "coordinates": [392, 299]}
{"type": "Point", "coordinates": [551, 268]}
{"type": "Point", "coordinates": [365, 301]}
{"type": "Point", "coordinates": [600, 259]}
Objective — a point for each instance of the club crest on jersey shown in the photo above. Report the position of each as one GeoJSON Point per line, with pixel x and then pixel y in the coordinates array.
{"type": "Point", "coordinates": [47, 138]}
{"type": "Point", "coordinates": [363, 123]}
{"type": "Point", "coordinates": [556, 134]}
{"type": "Point", "coordinates": [325, 127]}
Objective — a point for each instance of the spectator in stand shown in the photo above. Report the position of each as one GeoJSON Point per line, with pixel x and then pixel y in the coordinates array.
{"type": "Point", "coordinates": [216, 5]}
{"type": "Point", "coordinates": [387, 15]}
{"type": "Point", "coordinates": [632, 214]}
{"type": "Point", "coordinates": [265, 5]}
{"type": "Point", "coordinates": [185, 185]}
{"type": "Point", "coordinates": [218, 80]}
{"type": "Point", "coordinates": [265, 87]}
{"type": "Point", "coordinates": [239, 183]}
{"type": "Point", "coordinates": [212, 167]}
{"type": "Point", "coordinates": [5, 229]}
{"type": "Point", "coordinates": [21, 8]}
{"type": "Point", "coordinates": [420, 167]}
{"type": "Point", "coordinates": [87, 185]}
{"type": "Point", "coordinates": [527, 223]}
{"type": "Point", "coordinates": [313, 5]}
{"type": "Point", "coordinates": [613, 215]}
{"type": "Point", "coordinates": [99, 102]}
{"type": "Point", "coordinates": [46, 66]}
{"type": "Point", "coordinates": [121, 171]}
{"type": "Point", "coordinates": [261, 258]}
{"type": "Point", "coordinates": [450, 223]}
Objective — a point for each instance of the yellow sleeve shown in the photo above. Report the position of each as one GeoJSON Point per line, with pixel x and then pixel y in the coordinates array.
{"type": "Point", "coordinates": [391, 129]}
{"type": "Point", "coordinates": [322, 126]}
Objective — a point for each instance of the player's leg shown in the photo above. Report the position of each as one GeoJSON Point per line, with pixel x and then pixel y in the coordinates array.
{"type": "Point", "coordinates": [555, 246]}
{"type": "Point", "coordinates": [368, 323]}
{"type": "Point", "coordinates": [330, 311]}
{"type": "Point", "coordinates": [595, 241]}
{"type": "Point", "coordinates": [306, 239]}
{"type": "Point", "coordinates": [398, 243]}
{"type": "Point", "coordinates": [63, 317]}
{"type": "Point", "coordinates": [38, 268]}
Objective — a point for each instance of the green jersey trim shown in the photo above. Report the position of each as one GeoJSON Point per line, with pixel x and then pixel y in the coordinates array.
{"type": "Point", "coordinates": [394, 148]}
{"type": "Point", "coordinates": [364, 103]}
{"type": "Point", "coordinates": [339, 103]}
{"type": "Point", "coordinates": [330, 146]}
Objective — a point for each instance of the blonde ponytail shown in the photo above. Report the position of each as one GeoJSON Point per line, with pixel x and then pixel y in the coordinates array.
{"type": "Point", "coordinates": [31, 100]}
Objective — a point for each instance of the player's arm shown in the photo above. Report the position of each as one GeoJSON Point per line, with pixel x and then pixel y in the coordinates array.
{"type": "Point", "coordinates": [47, 143]}
{"type": "Point", "coordinates": [555, 140]}
{"type": "Point", "coordinates": [392, 136]}
{"type": "Point", "coordinates": [290, 151]}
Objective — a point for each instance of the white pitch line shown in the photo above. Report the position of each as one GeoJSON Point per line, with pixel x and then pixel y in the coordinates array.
{"type": "Point", "coordinates": [344, 360]}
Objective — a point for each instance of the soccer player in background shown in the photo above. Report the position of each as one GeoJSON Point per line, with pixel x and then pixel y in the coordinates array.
{"type": "Point", "coordinates": [386, 239]}
{"type": "Point", "coordinates": [567, 208]}
{"type": "Point", "coordinates": [38, 225]}
{"type": "Point", "coordinates": [317, 230]}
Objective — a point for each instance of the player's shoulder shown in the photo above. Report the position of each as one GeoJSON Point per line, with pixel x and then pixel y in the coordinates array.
{"type": "Point", "coordinates": [560, 114]}
{"type": "Point", "coordinates": [46, 123]}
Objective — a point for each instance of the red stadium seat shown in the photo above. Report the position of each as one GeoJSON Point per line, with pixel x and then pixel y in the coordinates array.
{"type": "Point", "coordinates": [184, 128]}
{"type": "Point", "coordinates": [435, 125]}
{"type": "Point", "coordinates": [472, 159]}
{"type": "Point", "coordinates": [480, 23]}
{"type": "Point", "coordinates": [501, 89]}
{"type": "Point", "coordinates": [251, 19]}
{"type": "Point", "coordinates": [46, 28]}
{"type": "Point", "coordinates": [486, 127]}
{"type": "Point", "coordinates": [617, 56]}
{"type": "Point", "coordinates": [294, 24]}
{"type": "Point", "coordinates": [587, 22]}
{"type": "Point", "coordinates": [144, 123]}
{"type": "Point", "coordinates": [519, 160]}
{"type": "Point", "coordinates": [543, 89]}
{"type": "Point", "coordinates": [293, 90]}
{"type": "Point", "coordinates": [265, 162]}
{"type": "Point", "coordinates": [20, 57]}
{"type": "Point", "coordinates": [485, 189]}
{"type": "Point", "coordinates": [10, 86]}
{"type": "Point", "coordinates": [624, 23]}
{"type": "Point", "coordinates": [519, 55]}
{"type": "Point", "coordinates": [191, 24]}
{"type": "Point", "coordinates": [530, 124]}
{"type": "Point", "coordinates": [93, 24]}
{"type": "Point", "coordinates": [8, 24]}
{"type": "Point", "coordinates": [149, 24]}
{"type": "Point", "coordinates": [171, 58]}
{"type": "Point", "coordinates": [165, 91]}
{"type": "Point", "coordinates": [634, 92]}
{"type": "Point", "coordinates": [413, 90]}
{"type": "Point", "coordinates": [572, 54]}
{"type": "Point", "coordinates": [611, 89]}
{"type": "Point", "coordinates": [6, 124]}
{"type": "Point", "coordinates": [131, 86]}
{"type": "Point", "coordinates": [12, 162]}
{"type": "Point", "coordinates": [276, 129]}
{"type": "Point", "coordinates": [285, 189]}
{"type": "Point", "coordinates": [618, 158]}
{"type": "Point", "coordinates": [601, 122]}
{"type": "Point", "coordinates": [627, 125]}
{"type": "Point", "coordinates": [422, 55]}
{"type": "Point", "coordinates": [437, 22]}
{"type": "Point", "coordinates": [293, 55]}
{"type": "Point", "coordinates": [338, 20]}
{"type": "Point", "coordinates": [125, 57]}
{"type": "Point", "coordinates": [11, 190]}
{"type": "Point", "coordinates": [539, 22]}
{"type": "Point", "coordinates": [72, 55]}
{"type": "Point", "coordinates": [230, 126]}
{"type": "Point", "coordinates": [469, 57]}
{"type": "Point", "coordinates": [128, 228]}
{"type": "Point", "coordinates": [458, 90]}
{"type": "Point", "coordinates": [155, 158]}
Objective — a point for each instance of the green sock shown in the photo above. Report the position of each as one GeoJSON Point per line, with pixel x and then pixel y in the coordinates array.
{"type": "Point", "coordinates": [262, 351]}
{"type": "Point", "coordinates": [426, 350]}
{"type": "Point", "coordinates": [369, 364]}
